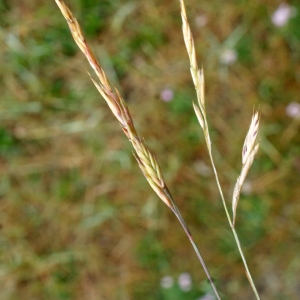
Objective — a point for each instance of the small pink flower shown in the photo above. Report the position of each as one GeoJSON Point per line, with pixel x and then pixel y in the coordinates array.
{"type": "Point", "coordinates": [228, 57]}
{"type": "Point", "coordinates": [293, 110]}
{"type": "Point", "coordinates": [282, 14]}
{"type": "Point", "coordinates": [185, 282]}
{"type": "Point", "coordinates": [166, 95]}
{"type": "Point", "coordinates": [201, 21]}
{"type": "Point", "coordinates": [207, 297]}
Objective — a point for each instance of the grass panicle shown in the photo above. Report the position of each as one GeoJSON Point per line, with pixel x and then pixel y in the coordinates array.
{"type": "Point", "coordinates": [144, 157]}
{"type": "Point", "coordinates": [249, 149]}
{"type": "Point", "coordinates": [146, 160]}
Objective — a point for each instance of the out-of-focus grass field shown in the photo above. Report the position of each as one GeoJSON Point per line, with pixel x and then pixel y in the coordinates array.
{"type": "Point", "coordinates": [78, 220]}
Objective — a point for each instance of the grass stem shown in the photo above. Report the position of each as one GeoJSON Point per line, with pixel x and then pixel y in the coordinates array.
{"type": "Point", "coordinates": [191, 239]}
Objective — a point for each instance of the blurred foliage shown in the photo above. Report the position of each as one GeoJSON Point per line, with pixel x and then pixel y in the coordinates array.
{"type": "Point", "coordinates": [77, 218]}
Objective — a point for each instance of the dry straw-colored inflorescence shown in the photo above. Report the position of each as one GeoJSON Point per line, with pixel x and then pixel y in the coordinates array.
{"type": "Point", "coordinates": [118, 106]}
{"type": "Point", "coordinates": [143, 155]}
{"type": "Point", "coordinates": [250, 147]}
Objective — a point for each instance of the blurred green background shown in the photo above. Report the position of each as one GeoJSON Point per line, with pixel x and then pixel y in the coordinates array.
{"type": "Point", "coordinates": [77, 218]}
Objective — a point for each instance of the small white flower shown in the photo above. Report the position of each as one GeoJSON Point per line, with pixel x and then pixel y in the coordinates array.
{"type": "Point", "coordinates": [228, 57]}
{"type": "Point", "coordinates": [202, 168]}
{"type": "Point", "coordinates": [247, 187]}
{"type": "Point", "coordinates": [185, 282]}
{"type": "Point", "coordinates": [207, 297]}
{"type": "Point", "coordinates": [293, 110]}
{"type": "Point", "coordinates": [166, 282]}
{"type": "Point", "coordinates": [282, 14]}
{"type": "Point", "coordinates": [201, 21]}
{"type": "Point", "coordinates": [167, 95]}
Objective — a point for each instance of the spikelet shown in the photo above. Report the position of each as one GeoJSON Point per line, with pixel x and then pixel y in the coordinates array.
{"type": "Point", "coordinates": [249, 151]}
{"type": "Point", "coordinates": [118, 106]}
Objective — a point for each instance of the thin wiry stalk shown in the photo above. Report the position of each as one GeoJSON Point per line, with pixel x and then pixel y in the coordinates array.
{"type": "Point", "coordinates": [146, 160]}
{"type": "Point", "coordinates": [198, 80]}
{"type": "Point", "coordinates": [191, 239]}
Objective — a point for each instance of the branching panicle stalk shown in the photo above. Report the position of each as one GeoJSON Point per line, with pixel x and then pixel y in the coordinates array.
{"type": "Point", "coordinates": [249, 149]}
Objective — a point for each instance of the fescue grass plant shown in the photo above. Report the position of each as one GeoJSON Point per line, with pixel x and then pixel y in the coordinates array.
{"type": "Point", "coordinates": [77, 217]}
{"type": "Point", "coordinates": [146, 160]}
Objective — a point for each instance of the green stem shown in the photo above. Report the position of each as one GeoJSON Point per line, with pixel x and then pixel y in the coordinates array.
{"type": "Point", "coordinates": [191, 239]}
{"type": "Point", "coordinates": [231, 224]}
